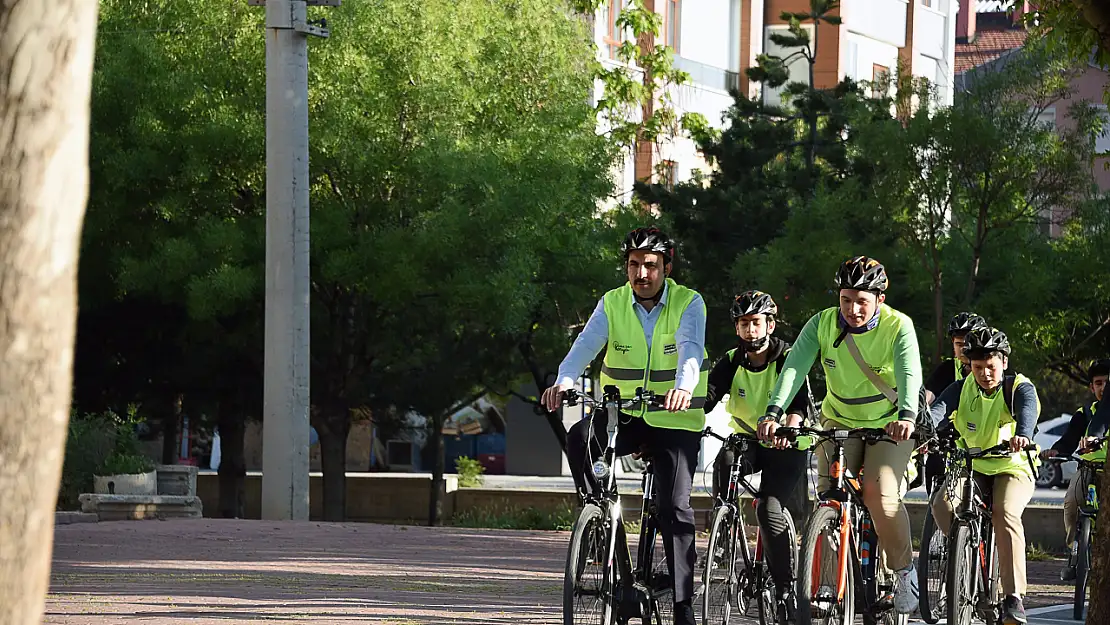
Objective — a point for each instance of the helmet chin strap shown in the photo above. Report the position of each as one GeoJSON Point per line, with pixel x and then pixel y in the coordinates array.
{"type": "Point", "coordinates": [754, 346]}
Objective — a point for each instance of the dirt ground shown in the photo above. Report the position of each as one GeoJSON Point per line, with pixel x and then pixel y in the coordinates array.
{"type": "Point", "coordinates": [208, 571]}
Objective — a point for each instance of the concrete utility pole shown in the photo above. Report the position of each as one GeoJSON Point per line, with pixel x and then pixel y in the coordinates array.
{"type": "Point", "coordinates": [286, 388]}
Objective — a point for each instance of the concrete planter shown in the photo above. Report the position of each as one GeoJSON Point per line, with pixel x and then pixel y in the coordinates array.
{"type": "Point", "coordinates": [130, 484]}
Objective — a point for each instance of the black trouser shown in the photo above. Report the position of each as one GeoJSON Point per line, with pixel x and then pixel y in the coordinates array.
{"type": "Point", "coordinates": [675, 457]}
{"type": "Point", "coordinates": [782, 486]}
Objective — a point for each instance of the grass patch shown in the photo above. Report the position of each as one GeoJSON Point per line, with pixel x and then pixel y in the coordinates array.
{"type": "Point", "coordinates": [1036, 553]}
{"type": "Point", "coordinates": [516, 518]}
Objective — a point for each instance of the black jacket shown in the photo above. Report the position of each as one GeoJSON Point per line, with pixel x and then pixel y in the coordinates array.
{"type": "Point", "coordinates": [1077, 428]}
{"type": "Point", "coordinates": [720, 378]}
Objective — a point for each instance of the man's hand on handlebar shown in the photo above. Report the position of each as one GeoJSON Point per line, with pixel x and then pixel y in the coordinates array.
{"type": "Point", "coordinates": [1085, 444]}
{"type": "Point", "coordinates": [1018, 443]}
{"type": "Point", "coordinates": [676, 400]}
{"type": "Point", "coordinates": [768, 427]}
{"type": "Point", "coordinates": [552, 398]}
{"type": "Point", "coordinates": [900, 430]}
{"type": "Point", "coordinates": [1049, 453]}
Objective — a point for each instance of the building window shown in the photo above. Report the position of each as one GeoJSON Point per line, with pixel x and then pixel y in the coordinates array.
{"type": "Point", "coordinates": [1047, 118]}
{"type": "Point", "coordinates": [614, 36]}
{"type": "Point", "coordinates": [880, 76]}
{"type": "Point", "coordinates": [672, 23]}
{"type": "Point", "coordinates": [670, 174]}
{"type": "Point", "coordinates": [797, 66]}
{"type": "Point", "coordinates": [1102, 141]}
{"type": "Point", "coordinates": [927, 3]}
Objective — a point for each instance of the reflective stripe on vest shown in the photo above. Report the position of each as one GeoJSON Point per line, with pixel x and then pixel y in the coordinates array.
{"type": "Point", "coordinates": [984, 422]}
{"type": "Point", "coordinates": [852, 399]}
{"type": "Point", "coordinates": [630, 364]}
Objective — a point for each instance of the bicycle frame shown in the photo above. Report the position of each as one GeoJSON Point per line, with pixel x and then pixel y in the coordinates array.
{"type": "Point", "coordinates": [608, 498]}
{"type": "Point", "coordinates": [845, 495]}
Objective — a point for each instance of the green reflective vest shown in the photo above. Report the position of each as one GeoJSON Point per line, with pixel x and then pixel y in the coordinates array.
{"type": "Point", "coordinates": [629, 364]}
{"type": "Point", "coordinates": [984, 421]}
{"type": "Point", "coordinates": [852, 399]}
{"type": "Point", "coordinates": [749, 394]}
{"type": "Point", "coordinates": [1096, 456]}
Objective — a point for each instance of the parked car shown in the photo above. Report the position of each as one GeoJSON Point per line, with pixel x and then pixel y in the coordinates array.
{"type": "Point", "coordinates": [1053, 474]}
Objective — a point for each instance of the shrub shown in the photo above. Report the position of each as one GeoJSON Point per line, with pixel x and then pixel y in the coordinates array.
{"type": "Point", "coordinates": [470, 472]}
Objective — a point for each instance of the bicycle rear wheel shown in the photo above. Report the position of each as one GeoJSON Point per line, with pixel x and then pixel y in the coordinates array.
{"type": "Point", "coordinates": [719, 579]}
{"type": "Point", "coordinates": [659, 582]}
{"type": "Point", "coordinates": [1082, 566]}
{"type": "Point", "coordinates": [932, 570]}
{"type": "Point", "coordinates": [963, 572]}
{"type": "Point", "coordinates": [820, 574]}
{"type": "Point", "coordinates": [886, 583]}
{"type": "Point", "coordinates": [766, 590]}
{"type": "Point", "coordinates": [587, 584]}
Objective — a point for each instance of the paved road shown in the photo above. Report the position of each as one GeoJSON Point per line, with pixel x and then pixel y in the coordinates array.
{"type": "Point", "coordinates": [212, 572]}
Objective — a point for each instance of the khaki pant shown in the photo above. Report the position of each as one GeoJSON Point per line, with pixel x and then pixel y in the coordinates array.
{"type": "Point", "coordinates": [1077, 492]}
{"type": "Point", "coordinates": [883, 467]}
{"type": "Point", "coordinates": [1011, 493]}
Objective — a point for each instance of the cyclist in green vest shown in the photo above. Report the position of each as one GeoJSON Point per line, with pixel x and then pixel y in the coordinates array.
{"type": "Point", "coordinates": [983, 419]}
{"type": "Point", "coordinates": [947, 372]}
{"type": "Point", "coordinates": [653, 332]}
{"type": "Point", "coordinates": [747, 374]}
{"type": "Point", "coordinates": [1072, 440]}
{"type": "Point", "coordinates": [887, 346]}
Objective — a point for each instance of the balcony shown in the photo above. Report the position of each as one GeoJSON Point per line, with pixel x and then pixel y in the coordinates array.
{"type": "Point", "coordinates": [930, 32]}
{"type": "Point", "coordinates": [707, 75]}
{"type": "Point", "coordinates": [881, 20]}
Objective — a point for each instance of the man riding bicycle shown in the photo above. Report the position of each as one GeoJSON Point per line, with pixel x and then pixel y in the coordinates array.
{"type": "Point", "coordinates": [984, 418]}
{"type": "Point", "coordinates": [869, 353]}
{"type": "Point", "coordinates": [1074, 438]}
{"type": "Point", "coordinates": [653, 330]}
{"type": "Point", "coordinates": [747, 374]}
{"type": "Point", "coordinates": [950, 370]}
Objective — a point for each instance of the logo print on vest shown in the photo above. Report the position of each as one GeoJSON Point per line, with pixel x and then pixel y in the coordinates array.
{"type": "Point", "coordinates": [830, 363]}
{"type": "Point", "coordinates": [741, 392]}
{"type": "Point", "coordinates": [970, 426]}
{"type": "Point", "coordinates": [670, 349]}
{"type": "Point", "coordinates": [622, 348]}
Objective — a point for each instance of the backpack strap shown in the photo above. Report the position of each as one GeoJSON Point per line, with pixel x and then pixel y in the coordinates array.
{"type": "Point", "coordinates": [1008, 383]}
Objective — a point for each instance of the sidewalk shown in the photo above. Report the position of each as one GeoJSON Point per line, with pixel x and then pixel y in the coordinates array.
{"type": "Point", "coordinates": [209, 571]}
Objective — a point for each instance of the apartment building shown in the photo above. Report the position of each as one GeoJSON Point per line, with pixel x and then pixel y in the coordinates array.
{"type": "Point", "coordinates": [716, 40]}
{"type": "Point", "coordinates": [994, 30]}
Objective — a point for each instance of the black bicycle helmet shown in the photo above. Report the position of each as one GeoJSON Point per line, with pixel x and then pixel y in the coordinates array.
{"type": "Point", "coordinates": [984, 341]}
{"type": "Point", "coordinates": [753, 303]}
{"type": "Point", "coordinates": [649, 239]}
{"type": "Point", "coordinates": [965, 322]}
{"type": "Point", "coordinates": [1098, 367]}
{"type": "Point", "coordinates": [862, 274]}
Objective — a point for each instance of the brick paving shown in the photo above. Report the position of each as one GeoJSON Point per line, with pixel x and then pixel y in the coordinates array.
{"type": "Point", "coordinates": [204, 572]}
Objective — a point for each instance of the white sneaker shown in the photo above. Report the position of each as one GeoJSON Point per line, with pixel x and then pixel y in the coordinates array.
{"type": "Point", "coordinates": [905, 597]}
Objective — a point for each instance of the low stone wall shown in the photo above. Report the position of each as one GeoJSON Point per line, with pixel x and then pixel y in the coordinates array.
{"type": "Point", "coordinates": [403, 498]}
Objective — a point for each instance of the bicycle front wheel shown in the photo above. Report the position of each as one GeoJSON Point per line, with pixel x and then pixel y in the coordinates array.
{"type": "Point", "coordinates": [1082, 566]}
{"type": "Point", "coordinates": [826, 587]}
{"type": "Point", "coordinates": [588, 582]}
{"type": "Point", "coordinates": [932, 569]}
{"type": "Point", "coordinates": [719, 579]}
{"type": "Point", "coordinates": [963, 571]}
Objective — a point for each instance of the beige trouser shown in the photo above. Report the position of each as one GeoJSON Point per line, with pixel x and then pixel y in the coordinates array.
{"type": "Point", "coordinates": [1011, 494]}
{"type": "Point", "coordinates": [883, 468]}
{"type": "Point", "coordinates": [1077, 492]}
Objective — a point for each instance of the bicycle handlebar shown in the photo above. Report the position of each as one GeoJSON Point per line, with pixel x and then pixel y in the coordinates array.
{"type": "Point", "coordinates": [838, 434]}
{"type": "Point", "coordinates": [572, 396]}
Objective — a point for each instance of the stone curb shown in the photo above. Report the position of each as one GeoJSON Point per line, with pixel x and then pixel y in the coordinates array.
{"type": "Point", "coordinates": [67, 518]}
